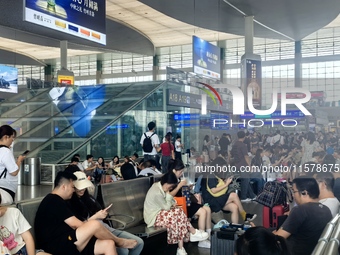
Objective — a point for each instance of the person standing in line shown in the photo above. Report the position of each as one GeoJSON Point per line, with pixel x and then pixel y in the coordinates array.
{"type": "Point", "coordinates": [224, 142]}
{"type": "Point", "coordinates": [178, 148]}
{"type": "Point", "coordinates": [9, 167]}
{"type": "Point", "coordinates": [167, 153]}
{"type": "Point", "coordinates": [241, 158]}
{"type": "Point", "coordinates": [151, 144]}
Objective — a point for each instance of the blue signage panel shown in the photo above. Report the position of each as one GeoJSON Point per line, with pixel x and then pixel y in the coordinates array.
{"type": "Point", "coordinates": [81, 18]}
{"type": "Point", "coordinates": [8, 79]}
{"type": "Point", "coordinates": [206, 58]}
{"type": "Point", "coordinates": [290, 114]}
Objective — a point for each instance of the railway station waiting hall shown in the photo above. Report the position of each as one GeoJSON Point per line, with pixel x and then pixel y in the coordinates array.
{"type": "Point", "coordinates": [186, 127]}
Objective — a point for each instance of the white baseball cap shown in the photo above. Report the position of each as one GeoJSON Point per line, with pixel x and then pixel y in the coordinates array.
{"type": "Point", "coordinates": [82, 182]}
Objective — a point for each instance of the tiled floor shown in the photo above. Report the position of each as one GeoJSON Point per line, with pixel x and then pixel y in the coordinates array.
{"type": "Point", "coordinates": [28, 192]}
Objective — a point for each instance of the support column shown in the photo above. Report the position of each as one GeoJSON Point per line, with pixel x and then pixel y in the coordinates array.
{"type": "Point", "coordinates": [155, 67]}
{"type": "Point", "coordinates": [251, 69]}
{"type": "Point", "coordinates": [298, 65]}
{"type": "Point", "coordinates": [249, 34]}
{"type": "Point", "coordinates": [99, 71]}
{"type": "Point", "coordinates": [63, 54]}
{"type": "Point", "coordinates": [48, 70]}
{"type": "Point", "coordinates": [223, 46]}
{"type": "Point", "coordinates": [64, 76]}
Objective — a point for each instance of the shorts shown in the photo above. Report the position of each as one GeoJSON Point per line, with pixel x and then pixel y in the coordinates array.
{"type": "Point", "coordinates": [65, 245]}
{"type": "Point", "coordinates": [89, 248]}
{"type": "Point", "coordinates": [192, 209]}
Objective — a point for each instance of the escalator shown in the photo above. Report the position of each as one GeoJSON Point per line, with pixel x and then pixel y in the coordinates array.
{"type": "Point", "coordinates": [58, 128]}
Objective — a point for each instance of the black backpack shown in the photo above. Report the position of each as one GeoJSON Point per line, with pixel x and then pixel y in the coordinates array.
{"type": "Point", "coordinates": [147, 143]}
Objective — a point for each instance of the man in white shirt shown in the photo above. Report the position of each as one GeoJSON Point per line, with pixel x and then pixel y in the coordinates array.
{"type": "Point", "coordinates": [277, 139]}
{"type": "Point", "coordinates": [326, 197]}
{"type": "Point", "coordinates": [155, 143]}
{"type": "Point", "coordinates": [178, 147]}
{"type": "Point", "coordinates": [89, 165]}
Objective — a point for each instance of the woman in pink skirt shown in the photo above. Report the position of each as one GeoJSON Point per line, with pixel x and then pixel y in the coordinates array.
{"type": "Point", "coordinates": [160, 211]}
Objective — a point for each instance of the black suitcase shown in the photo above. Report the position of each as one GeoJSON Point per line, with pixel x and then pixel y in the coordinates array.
{"type": "Point", "coordinates": [222, 242]}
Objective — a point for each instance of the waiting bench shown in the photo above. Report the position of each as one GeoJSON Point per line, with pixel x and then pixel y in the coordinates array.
{"type": "Point", "coordinates": [329, 240]}
{"type": "Point", "coordinates": [29, 208]}
{"type": "Point", "coordinates": [127, 199]}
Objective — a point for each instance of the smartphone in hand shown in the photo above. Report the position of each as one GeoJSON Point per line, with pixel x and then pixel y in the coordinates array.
{"type": "Point", "coordinates": [25, 153]}
{"type": "Point", "coordinates": [107, 208]}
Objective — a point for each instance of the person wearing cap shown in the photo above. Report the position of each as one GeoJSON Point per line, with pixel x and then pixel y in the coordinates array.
{"type": "Point", "coordinates": [58, 231]}
{"type": "Point", "coordinates": [86, 208]}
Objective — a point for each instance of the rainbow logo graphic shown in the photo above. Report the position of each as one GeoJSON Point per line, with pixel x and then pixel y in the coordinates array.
{"type": "Point", "coordinates": [210, 91]}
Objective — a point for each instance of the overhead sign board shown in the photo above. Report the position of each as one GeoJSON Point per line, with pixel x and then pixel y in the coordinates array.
{"type": "Point", "coordinates": [81, 18]}
{"type": "Point", "coordinates": [206, 58]}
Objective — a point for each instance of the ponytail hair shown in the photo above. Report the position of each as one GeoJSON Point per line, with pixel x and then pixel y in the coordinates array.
{"type": "Point", "coordinates": [258, 240]}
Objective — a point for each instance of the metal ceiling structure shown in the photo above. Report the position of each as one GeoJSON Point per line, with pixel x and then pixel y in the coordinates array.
{"type": "Point", "coordinates": [140, 26]}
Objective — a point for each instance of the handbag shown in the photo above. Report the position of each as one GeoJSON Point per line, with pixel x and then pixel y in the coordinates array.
{"type": "Point", "coordinates": [219, 184]}
{"type": "Point", "coordinates": [274, 193]}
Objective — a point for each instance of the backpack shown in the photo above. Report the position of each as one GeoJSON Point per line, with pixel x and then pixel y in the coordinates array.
{"type": "Point", "coordinates": [147, 143]}
{"type": "Point", "coordinates": [4, 172]}
{"type": "Point", "coordinates": [274, 193]}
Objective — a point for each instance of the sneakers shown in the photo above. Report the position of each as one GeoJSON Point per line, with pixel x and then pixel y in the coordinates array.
{"type": "Point", "coordinates": [198, 236]}
{"type": "Point", "coordinates": [250, 217]}
{"type": "Point", "coordinates": [204, 244]}
{"type": "Point", "coordinates": [181, 251]}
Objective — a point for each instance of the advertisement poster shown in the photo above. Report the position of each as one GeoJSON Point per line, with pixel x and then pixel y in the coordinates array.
{"type": "Point", "coordinates": [66, 79]}
{"type": "Point", "coordinates": [8, 79]}
{"type": "Point", "coordinates": [81, 18]}
{"type": "Point", "coordinates": [253, 80]}
{"type": "Point", "coordinates": [206, 58]}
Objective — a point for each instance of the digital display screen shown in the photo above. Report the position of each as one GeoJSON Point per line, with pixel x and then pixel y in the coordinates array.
{"type": "Point", "coordinates": [81, 18]}
{"type": "Point", "coordinates": [206, 58]}
{"type": "Point", "coordinates": [8, 79]}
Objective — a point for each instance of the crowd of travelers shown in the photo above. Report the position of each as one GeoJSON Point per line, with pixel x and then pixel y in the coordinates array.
{"type": "Point", "coordinates": [69, 220]}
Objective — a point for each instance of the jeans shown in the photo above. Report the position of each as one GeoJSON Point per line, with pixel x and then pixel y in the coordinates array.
{"type": "Point", "coordinates": [123, 251]}
{"type": "Point", "coordinates": [154, 157]}
{"type": "Point", "coordinates": [246, 190]}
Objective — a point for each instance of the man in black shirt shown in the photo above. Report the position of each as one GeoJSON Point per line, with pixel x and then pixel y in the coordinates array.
{"type": "Point", "coordinates": [239, 152]}
{"type": "Point", "coordinates": [224, 143]}
{"type": "Point", "coordinates": [306, 221]}
{"type": "Point", "coordinates": [59, 232]}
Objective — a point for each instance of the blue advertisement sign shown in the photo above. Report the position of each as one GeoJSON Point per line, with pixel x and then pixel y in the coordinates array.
{"type": "Point", "coordinates": [8, 79]}
{"type": "Point", "coordinates": [78, 104]}
{"type": "Point", "coordinates": [81, 18]}
{"type": "Point", "coordinates": [206, 58]}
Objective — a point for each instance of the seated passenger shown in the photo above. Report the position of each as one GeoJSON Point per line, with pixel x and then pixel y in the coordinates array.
{"type": "Point", "coordinates": [85, 208]}
{"type": "Point", "coordinates": [214, 192]}
{"type": "Point", "coordinates": [306, 221]}
{"type": "Point", "coordinates": [128, 170]}
{"type": "Point", "coordinates": [326, 197]}
{"type": "Point", "coordinates": [115, 162]}
{"type": "Point", "coordinates": [160, 211]}
{"type": "Point", "coordinates": [20, 240]}
{"type": "Point", "coordinates": [258, 240]}
{"type": "Point", "coordinates": [89, 166]}
{"type": "Point", "coordinates": [59, 232]}
{"type": "Point", "coordinates": [202, 212]}
{"type": "Point", "coordinates": [147, 169]}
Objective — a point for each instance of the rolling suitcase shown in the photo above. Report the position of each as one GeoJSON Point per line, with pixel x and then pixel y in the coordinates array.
{"type": "Point", "coordinates": [271, 215]}
{"type": "Point", "coordinates": [222, 242]}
